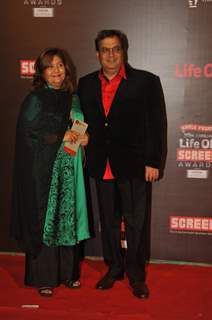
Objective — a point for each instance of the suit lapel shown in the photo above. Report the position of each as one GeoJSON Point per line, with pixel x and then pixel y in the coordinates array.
{"type": "Point", "coordinates": [98, 91]}
{"type": "Point", "coordinates": [120, 93]}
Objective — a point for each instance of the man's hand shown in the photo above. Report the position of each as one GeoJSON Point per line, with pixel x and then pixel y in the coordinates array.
{"type": "Point", "coordinates": [151, 174]}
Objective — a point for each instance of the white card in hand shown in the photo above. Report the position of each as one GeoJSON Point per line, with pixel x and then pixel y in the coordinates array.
{"type": "Point", "coordinates": [80, 127]}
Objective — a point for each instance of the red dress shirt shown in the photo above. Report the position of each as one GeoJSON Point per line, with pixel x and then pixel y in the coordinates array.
{"type": "Point", "coordinates": [109, 88]}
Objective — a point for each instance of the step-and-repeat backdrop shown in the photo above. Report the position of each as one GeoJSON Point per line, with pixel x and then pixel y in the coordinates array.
{"type": "Point", "coordinates": [169, 38]}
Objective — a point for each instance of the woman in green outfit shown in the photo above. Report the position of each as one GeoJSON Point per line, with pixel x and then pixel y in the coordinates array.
{"type": "Point", "coordinates": [49, 216]}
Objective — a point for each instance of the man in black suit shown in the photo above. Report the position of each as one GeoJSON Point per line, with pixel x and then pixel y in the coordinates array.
{"type": "Point", "coordinates": [124, 108]}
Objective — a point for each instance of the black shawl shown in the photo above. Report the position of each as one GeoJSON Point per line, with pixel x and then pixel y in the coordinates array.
{"type": "Point", "coordinates": [41, 125]}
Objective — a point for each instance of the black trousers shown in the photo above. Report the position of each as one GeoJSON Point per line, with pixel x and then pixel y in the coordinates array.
{"type": "Point", "coordinates": [125, 198]}
{"type": "Point", "coordinates": [53, 266]}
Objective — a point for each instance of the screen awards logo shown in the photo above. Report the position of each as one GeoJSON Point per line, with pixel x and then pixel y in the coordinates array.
{"type": "Point", "coordinates": [194, 151]}
{"type": "Point", "coordinates": [27, 69]}
{"type": "Point", "coordinates": [43, 3]}
{"type": "Point", "coordinates": [43, 8]}
{"type": "Point", "coordinates": [190, 224]}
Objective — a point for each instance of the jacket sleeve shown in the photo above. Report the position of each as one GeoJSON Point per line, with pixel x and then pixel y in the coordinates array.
{"type": "Point", "coordinates": [155, 126]}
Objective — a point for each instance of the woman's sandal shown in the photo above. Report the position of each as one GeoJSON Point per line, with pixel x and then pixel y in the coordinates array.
{"type": "Point", "coordinates": [45, 292]}
{"type": "Point", "coordinates": [73, 284]}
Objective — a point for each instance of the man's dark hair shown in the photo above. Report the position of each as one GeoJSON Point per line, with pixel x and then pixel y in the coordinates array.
{"type": "Point", "coordinates": [110, 33]}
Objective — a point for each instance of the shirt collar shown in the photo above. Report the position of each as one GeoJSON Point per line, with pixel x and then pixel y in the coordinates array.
{"type": "Point", "coordinates": [121, 73]}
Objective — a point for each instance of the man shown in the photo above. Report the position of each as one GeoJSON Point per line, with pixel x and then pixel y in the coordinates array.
{"type": "Point", "coordinates": [123, 108]}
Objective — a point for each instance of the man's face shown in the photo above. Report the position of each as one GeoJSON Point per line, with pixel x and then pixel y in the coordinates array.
{"type": "Point", "coordinates": [110, 55]}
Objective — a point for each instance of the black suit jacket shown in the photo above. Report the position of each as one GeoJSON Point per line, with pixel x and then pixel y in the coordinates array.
{"type": "Point", "coordinates": [132, 133]}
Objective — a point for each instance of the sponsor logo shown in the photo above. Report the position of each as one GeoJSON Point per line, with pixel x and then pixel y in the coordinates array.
{"type": "Point", "coordinates": [192, 71]}
{"type": "Point", "coordinates": [188, 224]}
{"type": "Point", "coordinates": [197, 174]}
{"type": "Point", "coordinates": [43, 12]}
{"type": "Point", "coordinates": [194, 150]}
{"type": "Point", "coordinates": [27, 69]}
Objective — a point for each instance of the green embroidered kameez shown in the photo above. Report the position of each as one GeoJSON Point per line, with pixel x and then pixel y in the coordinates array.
{"type": "Point", "coordinates": [66, 216]}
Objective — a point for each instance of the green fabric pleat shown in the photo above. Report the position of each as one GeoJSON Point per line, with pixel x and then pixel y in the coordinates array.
{"type": "Point", "coordinates": [66, 220]}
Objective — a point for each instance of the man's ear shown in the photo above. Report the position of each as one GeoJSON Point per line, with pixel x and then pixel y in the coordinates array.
{"type": "Point", "coordinates": [97, 54]}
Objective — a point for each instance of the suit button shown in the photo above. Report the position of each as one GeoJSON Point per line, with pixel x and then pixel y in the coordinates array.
{"type": "Point", "coordinates": [106, 124]}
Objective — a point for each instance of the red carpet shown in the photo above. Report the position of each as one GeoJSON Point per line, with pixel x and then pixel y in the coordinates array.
{"type": "Point", "coordinates": [177, 293]}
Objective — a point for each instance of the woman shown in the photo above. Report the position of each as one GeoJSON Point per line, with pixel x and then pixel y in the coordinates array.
{"type": "Point", "coordinates": [49, 206]}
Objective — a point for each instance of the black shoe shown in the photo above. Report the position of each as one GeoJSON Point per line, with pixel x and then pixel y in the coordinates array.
{"type": "Point", "coordinates": [140, 290]}
{"type": "Point", "coordinates": [45, 291]}
{"type": "Point", "coordinates": [73, 284]}
{"type": "Point", "coordinates": [107, 282]}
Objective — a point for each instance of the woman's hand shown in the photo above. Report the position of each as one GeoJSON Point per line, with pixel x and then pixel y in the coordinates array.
{"type": "Point", "coordinates": [71, 136]}
{"type": "Point", "coordinates": [84, 139]}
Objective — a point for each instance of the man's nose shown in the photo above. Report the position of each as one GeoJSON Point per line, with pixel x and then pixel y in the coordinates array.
{"type": "Point", "coordinates": [111, 52]}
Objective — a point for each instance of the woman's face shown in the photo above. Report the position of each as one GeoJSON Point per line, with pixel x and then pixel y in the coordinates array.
{"type": "Point", "coordinates": [55, 74]}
